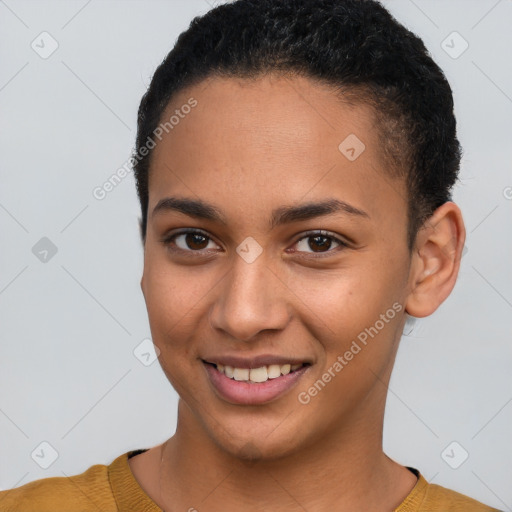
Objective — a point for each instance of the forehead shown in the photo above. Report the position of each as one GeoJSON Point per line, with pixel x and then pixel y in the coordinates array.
{"type": "Point", "coordinates": [274, 139]}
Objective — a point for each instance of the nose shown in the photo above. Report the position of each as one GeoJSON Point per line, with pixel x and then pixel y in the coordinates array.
{"type": "Point", "coordinates": [250, 298]}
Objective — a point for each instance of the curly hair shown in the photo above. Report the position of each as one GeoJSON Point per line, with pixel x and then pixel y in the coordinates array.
{"type": "Point", "coordinates": [355, 46]}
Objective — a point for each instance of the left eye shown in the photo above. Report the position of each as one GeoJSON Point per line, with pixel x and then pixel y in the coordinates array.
{"type": "Point", "coordinates": [318, 242]}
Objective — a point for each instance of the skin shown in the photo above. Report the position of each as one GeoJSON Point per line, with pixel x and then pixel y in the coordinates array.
{"type": "Point", "coordinates": [248, 147]}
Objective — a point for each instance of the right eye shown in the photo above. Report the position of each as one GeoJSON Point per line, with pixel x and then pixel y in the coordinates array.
{"type": "Point", "coordinates": [188, 240]}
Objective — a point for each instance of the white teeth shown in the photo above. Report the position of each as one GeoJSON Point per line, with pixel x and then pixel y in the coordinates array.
{"type": "Point", "coordinates": [241, 373]}
{"type": "Point", "coordinates": [261, 374]}
{"type": "Point", "coordinates": [274, 371]}
{"type": "Point", "coordinates": [258, 374]}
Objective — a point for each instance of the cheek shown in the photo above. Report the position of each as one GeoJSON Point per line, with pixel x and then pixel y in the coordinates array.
{"type": "Point", "coordinates": [334, 302]}
{"type": "Point", "coordinates": [172, 326]}
{"type": "Point", "coordinates": [351, 308]}
{"type": "Point", "coordinates": [172, 293]}
{"type": "Point", "coordinates": [172, 307]}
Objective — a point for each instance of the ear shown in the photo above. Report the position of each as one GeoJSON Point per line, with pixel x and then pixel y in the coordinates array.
{"type": "Point", "coordinates": [435, 260]}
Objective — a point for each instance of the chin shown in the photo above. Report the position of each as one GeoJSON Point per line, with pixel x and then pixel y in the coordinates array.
{"type": "Point", "coordinates": [263, 442]}
{"type": "Point", "coordinates": [256, 450]}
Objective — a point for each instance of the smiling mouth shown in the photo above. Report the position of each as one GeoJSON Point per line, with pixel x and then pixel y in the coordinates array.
{"type": "Point", "coordinates": [257, 375]}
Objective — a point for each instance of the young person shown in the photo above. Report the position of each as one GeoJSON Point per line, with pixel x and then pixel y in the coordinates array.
{"type": "Point", "coordinates": [294, 161]}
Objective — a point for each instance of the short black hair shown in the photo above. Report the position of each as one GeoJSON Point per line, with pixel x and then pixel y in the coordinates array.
{"type": "Point", "coordinates": [357, 47]}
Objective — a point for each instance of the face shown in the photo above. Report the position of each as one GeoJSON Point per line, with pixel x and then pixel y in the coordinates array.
{"type": "Point", "coordinates": [274, 238]}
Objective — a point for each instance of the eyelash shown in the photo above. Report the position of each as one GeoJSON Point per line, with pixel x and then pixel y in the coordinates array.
{"type": "Point", "coordinates": [168, 240]}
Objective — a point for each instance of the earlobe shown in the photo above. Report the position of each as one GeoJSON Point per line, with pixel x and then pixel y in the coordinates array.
{"type": "Point", "coordinates": [436, 260]}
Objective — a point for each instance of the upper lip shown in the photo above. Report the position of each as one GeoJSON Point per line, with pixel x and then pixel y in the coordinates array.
{"type": "Point", "coordinates": [254, 361]}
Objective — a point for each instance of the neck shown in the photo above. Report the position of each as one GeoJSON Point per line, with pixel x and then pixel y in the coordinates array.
{"type": "Point", "coordinates": [347, 470]}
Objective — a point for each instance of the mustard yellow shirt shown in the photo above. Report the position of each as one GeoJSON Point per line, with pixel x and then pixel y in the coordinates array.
{"type": "Point", "coordinates": [113, 488]}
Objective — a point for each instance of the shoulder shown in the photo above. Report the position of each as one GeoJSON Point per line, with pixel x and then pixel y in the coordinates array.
{"type": "Point", "coordinates": [425, 497]}
{"type": "Point", "coordinates": [438, 498]}
{"type": "Point", "coordinates": [84, 492]}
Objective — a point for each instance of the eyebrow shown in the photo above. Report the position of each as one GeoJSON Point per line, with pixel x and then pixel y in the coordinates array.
{"type": "Point", "coordinates": [200, 209]}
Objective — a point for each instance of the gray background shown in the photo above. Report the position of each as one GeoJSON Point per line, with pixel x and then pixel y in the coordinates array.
{"type": "Point", "coordinates": [70, 324]}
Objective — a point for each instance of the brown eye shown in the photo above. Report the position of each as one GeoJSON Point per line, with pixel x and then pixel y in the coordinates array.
{"type": "Point", "coordinates": [195, 241]}
{"type": "Point", "coordinates": [188, 241]}
{"type": "Point", "coordinates": [319, 242]}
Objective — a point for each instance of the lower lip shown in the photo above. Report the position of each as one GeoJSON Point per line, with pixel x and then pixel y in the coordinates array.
{"type": "Point", "coordinates": [252, 393]}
